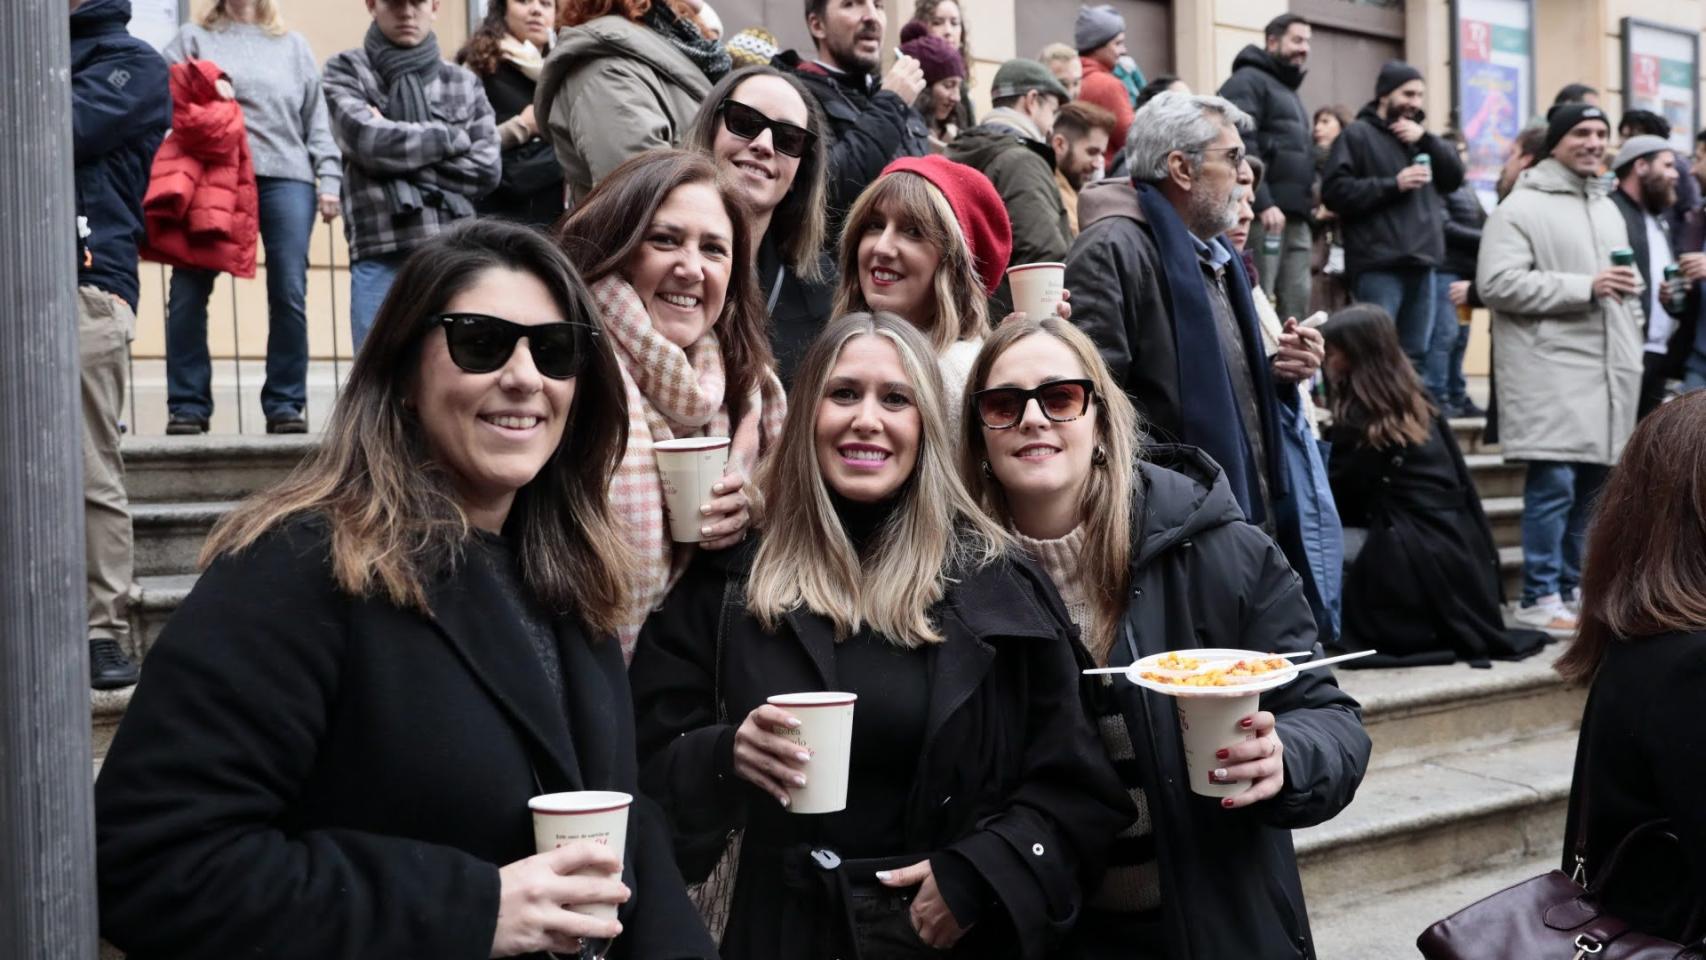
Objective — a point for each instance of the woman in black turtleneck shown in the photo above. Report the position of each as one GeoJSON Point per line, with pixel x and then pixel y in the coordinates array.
{"type": "Point", "coordinates": [978, 795]}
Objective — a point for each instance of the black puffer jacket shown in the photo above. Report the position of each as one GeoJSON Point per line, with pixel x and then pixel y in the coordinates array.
{"type": "Point", "coordinates": [1202, 576]}
{"type": "Point", "coordinates": [1387, 228]}
{"type": "Point", "coordinates": [1266, 89]}
{"type": "Point", "coordinates": [868, 127]}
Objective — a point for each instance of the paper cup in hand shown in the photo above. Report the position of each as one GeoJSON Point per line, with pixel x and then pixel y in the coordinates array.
{"type": "Point", "coordinates": [826, 732]}
{"type": "Point", "coordinates": [1037, 287]}
{"type": "Point", "coordinates": [1209, 724]}
{"type": "Point", "coordinates": [689, 467]}
{"type": "Point", "coordinates": [601, 816]}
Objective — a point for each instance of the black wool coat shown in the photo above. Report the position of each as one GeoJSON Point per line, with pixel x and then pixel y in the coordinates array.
{"type": "Point", "coordinates": [1387, 228]}
{"type": "Point", "coordinates": [1203, 577]}
{"type": "Point", "coordinates": [303, 775]}
{"type": "Point", "coordinates": [1425, 589]}
{"type": "Point", "coordinates": [1011, 777]}
{"type": "Point", "coordinates": [531, 188]}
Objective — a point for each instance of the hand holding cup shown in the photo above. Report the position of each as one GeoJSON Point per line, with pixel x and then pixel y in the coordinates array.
{"type": "Point", "coordinates": [766, 759]}
{"type": "Point", "coordinates": [538, 897]}
{"type": "Point", "coordinates": [1260, 760]}
{"type": "Point", "coordinates": [728, 515]}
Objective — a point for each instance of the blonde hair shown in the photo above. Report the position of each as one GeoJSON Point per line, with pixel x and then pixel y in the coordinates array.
{"type": "Point", "coordinates": [266, 17]}
{"type": "Point", "coordinates": [1106, 566]}
{"type": "Point", "coordinates": [936, 531]}
{"type": "Point", "coordinates": [961, 310]}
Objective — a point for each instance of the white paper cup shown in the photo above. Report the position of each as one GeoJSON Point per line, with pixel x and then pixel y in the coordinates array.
{"type": "Point", "coordinates": [689, 467]}
{"type": "Point", "coordinates": [1037, 287]}
{"type": "Point", "coordinates": [601, 816]}
{"type": "Point", "coordinates": [826, 732]}
{"type": "Point", "coordinates": [1209, 724]}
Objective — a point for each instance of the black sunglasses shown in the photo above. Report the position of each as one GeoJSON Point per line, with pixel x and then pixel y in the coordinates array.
{"type": "Point", "coordinates": [1062, 401]}
{"type": "Point", "coordinates": [747, 123]}
{"type": "Point", "coordinates": [480, 344]}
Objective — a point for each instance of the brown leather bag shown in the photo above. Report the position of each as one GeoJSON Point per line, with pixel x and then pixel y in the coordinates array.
{"type": "Point", "coordinates": [1553, 917]}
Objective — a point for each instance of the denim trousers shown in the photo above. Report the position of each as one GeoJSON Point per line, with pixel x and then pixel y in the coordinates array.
{"type": "Point", "coordinates": [1557, 499]}
{"type": "Point", "coordinates": [1446, 345]}
{"type": "Point", "coordinates": [1408, 295]}
{"type": "Point", "coordinates": [370, 280]}
{"type": "Point", "coordinates": [287, 221]}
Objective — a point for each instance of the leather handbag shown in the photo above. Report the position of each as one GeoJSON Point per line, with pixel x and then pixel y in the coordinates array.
{"type": "Point", "coordinates": [1554, 916]}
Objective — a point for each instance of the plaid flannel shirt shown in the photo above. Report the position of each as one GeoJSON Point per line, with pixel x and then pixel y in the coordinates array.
{"type": "Point", "coordinates": [456, 152]}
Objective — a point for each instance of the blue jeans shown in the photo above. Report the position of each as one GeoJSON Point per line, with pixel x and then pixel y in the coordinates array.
{"type": "Point", "coordinates": [1408, 295]}
{"type": "Point", "coordinates": [369, 281]}
{"type": "Point", "coordinates": [1556, 501]}
{"type": "Point", "coordinates": [1446, 345]}
{"type": "Point", "coordinates": [287, 220]}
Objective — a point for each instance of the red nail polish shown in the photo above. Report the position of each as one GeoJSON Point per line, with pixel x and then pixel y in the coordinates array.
{"type": "Point", "coordinates": [1222, 754]}
{"type": "Point", "coordinates": [1226, 802]}
{"type": "Point", "coordinates": [1247, 722]}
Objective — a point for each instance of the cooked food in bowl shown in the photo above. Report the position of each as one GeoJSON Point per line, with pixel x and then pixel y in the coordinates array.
{"type": "Point", "coordinates": [1184, 671]}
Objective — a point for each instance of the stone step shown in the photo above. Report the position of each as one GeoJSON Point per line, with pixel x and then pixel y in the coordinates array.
{"type": "Point", "coordinates": [1510, 567]}
{"type": "Point", "coordinates": [169, 535]}
{"type": "Point", "coordinates": [152, 603]}
{"type": "Point", "coordinates": [1426, 822]}
{"type": "Point", "coordinates": [1504, 515]}
{"type": "Point", "coordinates": [1417, 713]}
{"type": "Point", "coordinates": [1494, 475]}
{"type": "Point", "coordinates": [106, 709]}
{"type": "Point", "coordinates": [203, 468]}
{"type": "Point", "coordinates": [1471, 435]}
{"type": "Point", "coordinates": [1364, 928]}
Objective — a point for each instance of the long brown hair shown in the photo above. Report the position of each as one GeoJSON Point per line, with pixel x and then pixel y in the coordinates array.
{"type": "Point", "coordinates": [1107, 496]}
{"type": "Point", "coordinates": [799, 221]}
{"type": "Point", "coordinates": [573, 13]}
{"type": "Point", "coordinates": [483, 53]}
{"type": "Point", "coordinates": [923, 10]}
{"type": "Point", "coordinates": [1376, 391]}
{"type": "Point", "coordinates": [961, 308]}
{"type": "Point", "coordinates": [806, 558]}
{"type": "Point", "coordinates": [1644, 570]}
{"type": "Point", "coordinates": [602, 234]}
{"type": "Point", "coordinates": [394, 516]}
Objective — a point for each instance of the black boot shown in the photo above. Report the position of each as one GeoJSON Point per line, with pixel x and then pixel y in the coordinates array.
{"type": "Point", "coordinates": [109, 668]}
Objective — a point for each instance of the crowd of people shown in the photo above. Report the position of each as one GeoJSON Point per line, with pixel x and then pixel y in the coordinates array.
{"type": "Point", "coordinates": [602, 229]}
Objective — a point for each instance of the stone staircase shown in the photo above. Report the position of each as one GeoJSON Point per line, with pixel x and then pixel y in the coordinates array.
{"type": "Point", "coordinates": [1466, 792]}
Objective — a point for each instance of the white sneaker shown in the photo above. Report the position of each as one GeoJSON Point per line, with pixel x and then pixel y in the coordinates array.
{"type": "Point", "coordinates": [1548, 615]}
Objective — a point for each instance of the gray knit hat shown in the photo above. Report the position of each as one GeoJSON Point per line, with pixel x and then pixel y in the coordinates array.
{"type": "Point", "coordinates": [1096, 26]}
{"type": "Point", "coordinates": [1635, 148]}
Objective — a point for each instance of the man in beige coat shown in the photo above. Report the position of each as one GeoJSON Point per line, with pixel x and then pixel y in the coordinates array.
{"type": "Point", "coordinates": [1566, 349]}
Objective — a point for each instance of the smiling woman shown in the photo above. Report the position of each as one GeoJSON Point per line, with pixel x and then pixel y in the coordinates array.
{"type": "Point", "coordinates": [666, 245]}
{"type": "Point", "coordinates": [976, 793]}
{"type": "Point", "coordinates": [333, 747]}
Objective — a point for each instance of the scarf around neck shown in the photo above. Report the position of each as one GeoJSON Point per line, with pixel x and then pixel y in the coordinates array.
{"type": "Point", "coordinates": [1210, 420]}
{"type": "Point", "coordinates": [707, 54]}
{"type": "Point", "coordinates": [672, 392]}
{"type": "Point", "coordinates": [522, 55]}
{"type": "Point", "coordinates": [404, 73]}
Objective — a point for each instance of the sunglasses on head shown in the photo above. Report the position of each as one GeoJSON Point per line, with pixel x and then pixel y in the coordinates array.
{"type": "Point", "coordinates": [1061, 401]}
{"type": "Point", "coordinates": [481, 344]}
{"type": "Point", "coordinates": [747, 123]}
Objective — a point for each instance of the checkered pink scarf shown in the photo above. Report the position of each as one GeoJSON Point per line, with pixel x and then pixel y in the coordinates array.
{"type": "Point", "coordinates": [671, 393]}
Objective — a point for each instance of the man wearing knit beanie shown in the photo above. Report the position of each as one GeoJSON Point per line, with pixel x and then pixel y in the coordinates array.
{"type": "Point", "coordinates": [1012, 148]}
{"type": "Point", "coordinates": [1566, 349]}
{"type": "Point", "coordinates": [1099, 36]}
{"type": "Point", "coordinates": [1385, 179]}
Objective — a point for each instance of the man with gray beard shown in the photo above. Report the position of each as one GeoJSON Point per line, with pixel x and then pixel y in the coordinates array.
{"type": "Point", "coordinates": [1168, 304]}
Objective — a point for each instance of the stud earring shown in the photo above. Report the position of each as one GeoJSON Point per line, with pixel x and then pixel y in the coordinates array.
{"type": "Point", "coordinates": [1099, 456]}
{"type": "Point", "coordinates": [988, 471]}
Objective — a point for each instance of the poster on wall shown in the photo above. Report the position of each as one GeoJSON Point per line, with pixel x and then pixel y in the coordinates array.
{"type": "Point", "coordinates": [156, 21]}
{"type": "Point", "coordinates": [1661, 73]}
{"type": "Point", "coordinates": [1493, 83]}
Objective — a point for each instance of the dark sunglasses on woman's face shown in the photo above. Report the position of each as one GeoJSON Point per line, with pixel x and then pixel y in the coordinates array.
{"type": "Point", "coordinates": [1060, 400]}
{"type": "Point", "coordinates": [480, 344]}
{"type": "Point", "coordinates": [747, 123]}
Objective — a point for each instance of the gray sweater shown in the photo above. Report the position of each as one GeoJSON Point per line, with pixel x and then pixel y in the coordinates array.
{"type": "Point", "coordinates": [278, 86]}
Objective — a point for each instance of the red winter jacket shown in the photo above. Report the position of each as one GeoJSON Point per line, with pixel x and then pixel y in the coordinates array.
{"type": "Point", "coordinates": [1107, 91]}
{"type": "Point", "coordinates": [202, 208]}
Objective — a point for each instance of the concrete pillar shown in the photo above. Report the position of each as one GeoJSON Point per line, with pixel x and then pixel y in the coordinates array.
{"type": "Point", "coordinates": [47, 843]}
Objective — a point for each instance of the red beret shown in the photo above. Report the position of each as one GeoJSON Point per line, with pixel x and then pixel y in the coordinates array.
{"type": "Point", "coordinates": [977, 206]}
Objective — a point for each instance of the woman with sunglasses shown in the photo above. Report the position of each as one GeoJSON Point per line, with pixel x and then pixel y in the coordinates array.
{"type": "Point", "coordinates": [928, 240]}
{"type": "Point", "coordinates": [665, 244]}
{"type": "Point", "coordinates": [766, 132]}
{"type": "Point", "coordinates": [1153, 554]}
{"type": "Point", "coordinates": [333, 746]}
{"type": "Point", "coordinates": [977, 794]}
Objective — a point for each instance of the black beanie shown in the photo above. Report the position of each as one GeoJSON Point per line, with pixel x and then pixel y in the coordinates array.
{"type": "Point", "coordinates": [1394, 74]}
{"type": "Point", "coordinates": [1565, 117]}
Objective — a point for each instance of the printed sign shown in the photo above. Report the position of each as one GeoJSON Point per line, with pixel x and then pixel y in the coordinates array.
{"type": "Point", "coordinates": [1661, 73]}
{"type": "Point", "coordinates": [1495, 84]}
